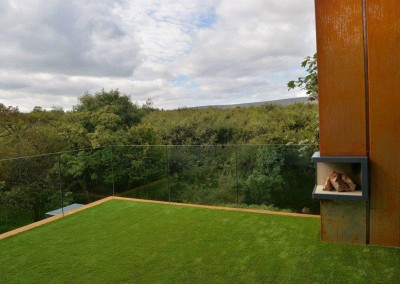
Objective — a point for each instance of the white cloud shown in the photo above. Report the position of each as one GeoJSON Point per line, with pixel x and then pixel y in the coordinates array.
{"type": "Point", "coordinates": [179, 53]}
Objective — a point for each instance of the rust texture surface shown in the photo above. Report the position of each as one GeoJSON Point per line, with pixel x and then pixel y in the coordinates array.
{"type": "Point", "coordinates": [344, 221]}
{"type": "Point", "coordinates": [341, 77]}
{"type": "Point", "coordinates": [383, 26]}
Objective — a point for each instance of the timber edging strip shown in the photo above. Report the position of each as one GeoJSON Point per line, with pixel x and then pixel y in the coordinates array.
{"type": "Point", "coordinates": [220, 207]}
{"type": "Point", "coordinates": [54, 218]}
{"type": "Point", "coordinates": [51, 219]}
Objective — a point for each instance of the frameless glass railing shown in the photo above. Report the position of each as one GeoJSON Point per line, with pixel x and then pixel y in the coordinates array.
{"type": "Point", "coordinates": [273, 177]}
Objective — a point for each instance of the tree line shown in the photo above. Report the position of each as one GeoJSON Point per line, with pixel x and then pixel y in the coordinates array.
{"type": "Point", "coordinates": [104, 122]}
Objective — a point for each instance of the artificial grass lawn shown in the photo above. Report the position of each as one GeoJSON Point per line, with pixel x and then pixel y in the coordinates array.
{"type": "Point", "coordinates": [130, 242]}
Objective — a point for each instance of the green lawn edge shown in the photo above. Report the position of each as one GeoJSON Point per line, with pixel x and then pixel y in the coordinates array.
{"type": "Point", "coordinates": [133, 242]}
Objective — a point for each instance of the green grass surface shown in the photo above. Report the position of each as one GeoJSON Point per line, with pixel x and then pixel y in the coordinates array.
{"type": "Point", "coordinates": [129, 242]}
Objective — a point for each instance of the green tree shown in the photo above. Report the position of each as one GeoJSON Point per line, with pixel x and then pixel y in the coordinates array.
{"type": "Point", "coordinates": [262, 185]}
{"type": "Point", "coordinates": [9, 120]}
{"type": "Point", "coordinates": [111, 110]}
{"type": "Point", "coordinates": [24, 134]}
{"type": "Point", "coordinates": [309, 83]}
{"type": "Point", "coordinates": [99, 121]}
{"type": "Point", "coordinates": [30, 184]}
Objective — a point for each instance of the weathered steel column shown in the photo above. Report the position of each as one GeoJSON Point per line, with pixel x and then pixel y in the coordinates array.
{"type": "Point", "coordinates": [358, 44]}
{"type": "Point", "coordinates": [341, 77]}
{"type": "Point", "coordinates": [342, 107]}
{"type": "Point", "coordinates": [383, 29]}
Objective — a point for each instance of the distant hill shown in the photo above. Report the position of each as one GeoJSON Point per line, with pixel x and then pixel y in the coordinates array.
{"type": "Point", "coordinates": [276, 102]}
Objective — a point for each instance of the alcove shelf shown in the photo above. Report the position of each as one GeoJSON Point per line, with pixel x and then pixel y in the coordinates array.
{"type": "Point", "coordinates": [356, 167]}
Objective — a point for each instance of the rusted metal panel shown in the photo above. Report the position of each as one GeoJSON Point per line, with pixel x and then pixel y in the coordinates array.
{"type": "Point", "coordinates": [344, 221]}
{"type": "Point", "coordinates": [384, 227]}
{"type": "Point", "coordinates": [383, 26]}
{"type": "Point", "coordinates": [341, 75]}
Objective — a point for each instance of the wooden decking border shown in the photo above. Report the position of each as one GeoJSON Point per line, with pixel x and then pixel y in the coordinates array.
{"type": "Point", "coordinates": [54, 218]}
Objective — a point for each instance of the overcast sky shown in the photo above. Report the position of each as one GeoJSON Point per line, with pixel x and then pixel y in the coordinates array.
{"type": "Point", "coordinates": [175, 52]}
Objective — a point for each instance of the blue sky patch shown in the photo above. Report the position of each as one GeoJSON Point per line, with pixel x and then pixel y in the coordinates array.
{"type": "Point", "coordinates": [184, 82]}
{"type": "Point", "coordinates": [207, 20]}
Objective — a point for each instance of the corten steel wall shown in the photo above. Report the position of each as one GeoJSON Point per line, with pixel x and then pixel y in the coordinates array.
{"type": "Point", "coordinates": [383, 26]}
{"type": "Point", "coordinates": [359, 116]}
{"type": "Point", "coordinates": [342, 107]}
{"type": "Point", "coordinates": [344, 221]}
{"type": "Point", "coordinates": [341, 77]}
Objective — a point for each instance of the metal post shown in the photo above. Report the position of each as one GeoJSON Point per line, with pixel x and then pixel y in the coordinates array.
{"type": "Point", "coordinates": [167, 171]}
{"type": "Point", "coordinates": [236, 177]}
{"type": "Point", "coordinates": [168, 178]}
{"type": "Point", "coordinates": [112, 171]}
{"type": "Point", "coordinates": [59, 181]}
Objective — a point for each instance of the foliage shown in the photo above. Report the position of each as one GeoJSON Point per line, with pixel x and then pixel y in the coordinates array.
{"type": "Point", "coordinates": [31, 184]}
{"type": "Point", "coordinates": [96, 160]}
{"type": "Point", "coordinates": [110, 110]}
{"type": "Point", "coordinates": [266, 177]}
{"type": "Point", "coordinates": [309, 83]}
{"type": "Point", "coordinates": [9, 120]}
{"type": "Point", "coordinates": [267, 124]}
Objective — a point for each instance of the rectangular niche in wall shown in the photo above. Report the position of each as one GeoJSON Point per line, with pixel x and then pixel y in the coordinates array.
{"type": "Point", "coordinates": [355, 167]}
